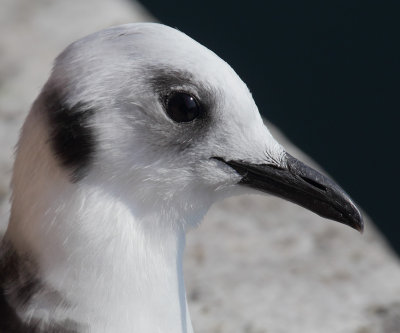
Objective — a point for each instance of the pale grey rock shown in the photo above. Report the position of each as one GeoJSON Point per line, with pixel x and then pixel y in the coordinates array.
{"type": "Point", "coordinates": [256, 264]}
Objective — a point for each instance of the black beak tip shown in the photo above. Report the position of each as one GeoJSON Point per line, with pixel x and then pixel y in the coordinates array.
{"type": "Point", "coordinates": [349, 214]}
{"type": "Point", "coordinates": [357, 221]}
{"type": "Point", "coordinates": [360, 227]}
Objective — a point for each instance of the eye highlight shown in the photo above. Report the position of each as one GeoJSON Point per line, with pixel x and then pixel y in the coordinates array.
{"type": "Point", "coordinates": [182, 107]}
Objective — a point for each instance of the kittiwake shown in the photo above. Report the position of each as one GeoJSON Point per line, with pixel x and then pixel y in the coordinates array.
{"type": "Point", "coordinates": [137, 132]}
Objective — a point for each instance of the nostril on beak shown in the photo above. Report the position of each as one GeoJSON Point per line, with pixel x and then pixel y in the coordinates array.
{"type": "Point", "coordinates": [314, 183]}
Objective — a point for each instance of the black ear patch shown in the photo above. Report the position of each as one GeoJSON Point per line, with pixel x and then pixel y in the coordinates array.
{"type": "Point", "coordinates": [72, 138]}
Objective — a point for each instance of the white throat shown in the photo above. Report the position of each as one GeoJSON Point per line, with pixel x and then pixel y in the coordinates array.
{"type": "Point", "coordinates": [115, 269]}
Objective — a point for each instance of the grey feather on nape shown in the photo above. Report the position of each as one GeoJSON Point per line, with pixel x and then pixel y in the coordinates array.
{"type": "Point", "coordinates": [19, 282]}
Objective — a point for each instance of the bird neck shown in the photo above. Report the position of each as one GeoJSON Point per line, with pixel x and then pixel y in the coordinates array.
{"type": "Point", "coordinates": [96, 261]}
{"type": "Point", "coordinates": [114, 271]}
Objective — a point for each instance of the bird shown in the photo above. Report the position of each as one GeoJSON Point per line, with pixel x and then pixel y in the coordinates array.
{"type": "Point", "coordinates": [137, 132]}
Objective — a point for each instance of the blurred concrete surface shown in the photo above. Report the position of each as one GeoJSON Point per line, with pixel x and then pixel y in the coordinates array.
{"type": "Point", "coordinates": [256, 264]}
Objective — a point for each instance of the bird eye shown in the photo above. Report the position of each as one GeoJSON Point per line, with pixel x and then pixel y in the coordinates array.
{"type": "Point", "coordinates": [182, 107]}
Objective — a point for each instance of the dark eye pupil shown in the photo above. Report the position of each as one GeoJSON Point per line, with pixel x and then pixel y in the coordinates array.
{"type": "Point", "coordinates": [182, 107]}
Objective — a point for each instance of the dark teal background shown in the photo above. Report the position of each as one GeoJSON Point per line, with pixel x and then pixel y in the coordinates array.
{"type": "Point", "coordinates": [326, 73]}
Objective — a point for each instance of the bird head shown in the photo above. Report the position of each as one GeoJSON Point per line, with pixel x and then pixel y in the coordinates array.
{"type": "Point", "coordinates": [152, 115]}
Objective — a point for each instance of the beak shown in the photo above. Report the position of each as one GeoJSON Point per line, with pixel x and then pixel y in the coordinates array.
{"type": "Point", "coordinates": [302, 185]}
